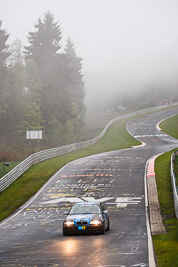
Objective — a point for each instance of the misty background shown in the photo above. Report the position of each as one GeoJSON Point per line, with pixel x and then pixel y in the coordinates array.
{"type": "Point", "coordinates": [126, 46]}
{"type": "Point", "coordinates": [129, 49]}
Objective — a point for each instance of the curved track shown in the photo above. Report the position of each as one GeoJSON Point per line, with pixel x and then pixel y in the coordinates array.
{"type": "Point", "coordinates": [33, 235]}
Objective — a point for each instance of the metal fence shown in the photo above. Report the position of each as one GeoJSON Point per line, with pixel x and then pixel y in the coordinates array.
{"type": "Point", "coordinates": [6, 180]}
{"type": "Point", "coordinates": [174, 182]}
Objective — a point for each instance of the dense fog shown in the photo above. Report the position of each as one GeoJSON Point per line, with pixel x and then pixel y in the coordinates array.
{"type": "Point", "coordinates": [129, 48]}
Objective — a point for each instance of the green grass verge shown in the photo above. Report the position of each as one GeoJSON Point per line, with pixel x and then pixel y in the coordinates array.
{"type": "Point", "coordinates": [176, 169]}
{"type": "Point", "coordinates": [170, 126]}
{"type": "Point", "coordinates": [164, 186]}
{"type": "Point", "coordinates": [166, 245]}
{"type": "Point", "coordinates": [4, 170]}
{"type": "Point", "coordinates": [32, 180]}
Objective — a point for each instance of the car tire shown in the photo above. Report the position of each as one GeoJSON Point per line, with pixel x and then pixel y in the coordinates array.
{"type": "Point", "coordinates": [108, 228]}
{"type": "Point", "coordinates": [103, 230]}
{"type": "Point", "coordinates": [65, 233]}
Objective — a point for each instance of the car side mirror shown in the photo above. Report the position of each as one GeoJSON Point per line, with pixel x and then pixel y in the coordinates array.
{"type": "Point", "coordinates": [66, 213]}
{"type": "Point", "coordinates": [105, 211]}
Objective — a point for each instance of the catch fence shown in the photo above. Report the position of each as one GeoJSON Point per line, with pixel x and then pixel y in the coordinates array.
{"type": "Point", "coordinates": [174, 182]}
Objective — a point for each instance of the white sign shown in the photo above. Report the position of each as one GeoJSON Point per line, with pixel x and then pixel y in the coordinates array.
{"type": "Point", "coordinates": [34, 134]}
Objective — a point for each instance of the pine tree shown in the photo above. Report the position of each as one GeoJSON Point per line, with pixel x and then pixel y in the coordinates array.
{"type": "Point", "coordinates": [16, 53]}
{"type": "Point", "coordinates": [32, 119]}
{"type": "Point", "coordinates": [75, 87]}
{"type": "Point", "coordinates": [44, 50]}
{"type": "Point", "coordinates": [15, 109]}
{"type": "Point", "coordinates": [62, 92]}
{"type": "Point", "coordinates": [4, 48]}
{"type": "Point", "coordinates": [4, 83]}
{"type": "Point", "coordinates": [76, 84]}
{"type": "Point", "coordinates": [44, 43]}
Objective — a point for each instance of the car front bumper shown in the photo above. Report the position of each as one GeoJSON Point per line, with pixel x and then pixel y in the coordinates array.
{"type": "Point", "coordinates": [83, 229]}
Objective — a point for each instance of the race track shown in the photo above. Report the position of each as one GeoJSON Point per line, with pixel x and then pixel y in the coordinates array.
{"type": "Point", "coordinates": [33, 235]}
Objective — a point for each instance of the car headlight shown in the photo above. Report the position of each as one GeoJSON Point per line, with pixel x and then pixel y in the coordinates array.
{"type": "Point", "coordinates": [95, 222]}
{"type": "Point", "coordinates": [69, 223]}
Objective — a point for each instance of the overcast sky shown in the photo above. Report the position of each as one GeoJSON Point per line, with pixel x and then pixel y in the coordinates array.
{"type": "Point", "coordinates": [122, 42]}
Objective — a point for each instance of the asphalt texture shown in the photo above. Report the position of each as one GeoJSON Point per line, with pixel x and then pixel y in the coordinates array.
{"type": "Point", "coordinates": [33, 235]}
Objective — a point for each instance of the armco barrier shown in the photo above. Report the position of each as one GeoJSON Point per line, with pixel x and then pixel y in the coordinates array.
{"type": "Point", "coordinates": [6, 180]}
{"type": "Point", "coordinates": [174, 181]}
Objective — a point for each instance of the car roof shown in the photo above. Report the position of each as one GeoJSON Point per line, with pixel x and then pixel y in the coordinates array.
{"type": "Point", "coordinates": [86, 203]}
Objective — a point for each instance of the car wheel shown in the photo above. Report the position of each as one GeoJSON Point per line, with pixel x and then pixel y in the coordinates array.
{"type": "Point", "coordinates": [103, 230]}
{"type": "Point", "coordinates": [108, 228]}
{"type": "Point", "coordinates": [65, 233]}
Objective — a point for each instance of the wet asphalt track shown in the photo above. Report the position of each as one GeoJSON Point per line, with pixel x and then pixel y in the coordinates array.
{"type": "Point", "coordinates": [33, 235]}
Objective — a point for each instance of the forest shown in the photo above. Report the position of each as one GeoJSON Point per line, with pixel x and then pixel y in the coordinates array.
{"type": "Point", "coordinates": [41, 88]}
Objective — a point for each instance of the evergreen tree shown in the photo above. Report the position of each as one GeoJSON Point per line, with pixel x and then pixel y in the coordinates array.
{"type": "Point", "coordinates": [62, 91]}
{"type": "Point", "coordinates": [32, 117]}
{"type": "Point", "coordinates": [75, 86]}
{"type": "Point", "coordinates": [44, 50]}
{"type": "Point", "coordinates": [15, 110]}
{"type": "Point", "coordinates": [16, 53]}
{"type": "Point", "coordinates": [33, 84]}
{"type": "Point", "coordinates": [4, 47]}
{"type": "Point", "coordinates": [4, 83]}
{"type": "Point", "coordinates": [44, 44]}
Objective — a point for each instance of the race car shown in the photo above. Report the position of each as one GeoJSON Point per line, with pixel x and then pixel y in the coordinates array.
{"type": "Point", "coordinates": [86, 217]}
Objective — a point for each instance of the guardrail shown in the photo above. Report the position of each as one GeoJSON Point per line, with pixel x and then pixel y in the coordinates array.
{"type": "Point", "coordinates": [174, 182]}
{"type": "Point", "coordinates": [10, 177]}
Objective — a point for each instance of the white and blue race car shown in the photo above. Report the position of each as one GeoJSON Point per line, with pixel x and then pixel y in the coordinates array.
{"type": "Point", "coordinates": [86, 217]}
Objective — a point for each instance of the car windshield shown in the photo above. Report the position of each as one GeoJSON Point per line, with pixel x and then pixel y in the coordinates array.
{"type": "Point", "coordinates": [84, 209]}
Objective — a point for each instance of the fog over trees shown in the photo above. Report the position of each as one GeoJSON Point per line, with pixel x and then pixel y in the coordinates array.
{"type": "Point", "coordinates": [41, 87]}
